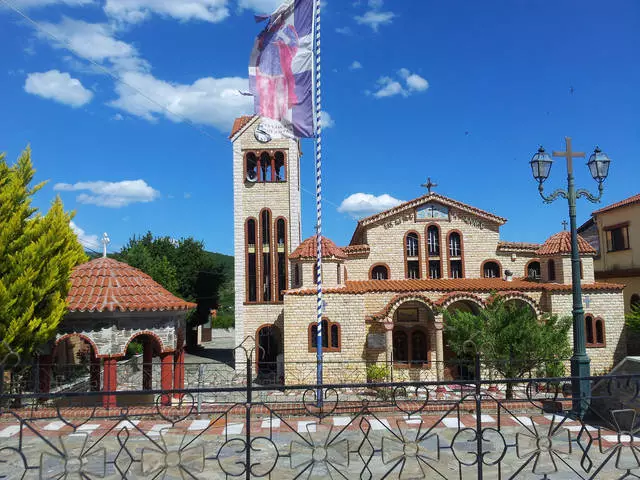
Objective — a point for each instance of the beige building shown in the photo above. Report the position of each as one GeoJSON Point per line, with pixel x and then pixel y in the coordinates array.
{"type": "Point", "coordinates": [385, 293]}
{"type": "Point", "coordinates": [614, 232]}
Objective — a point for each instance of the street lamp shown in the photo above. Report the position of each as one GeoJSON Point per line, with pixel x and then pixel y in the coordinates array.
{"type": "Point", "coordinates": [599, 167]}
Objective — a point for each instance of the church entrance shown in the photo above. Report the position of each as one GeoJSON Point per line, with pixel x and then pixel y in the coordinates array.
{"type": "Point", "coordinates": [268, 348]}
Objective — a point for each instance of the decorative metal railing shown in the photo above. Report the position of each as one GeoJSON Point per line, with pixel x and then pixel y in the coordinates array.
{"type": "Point", "coordinates": [458, 429]}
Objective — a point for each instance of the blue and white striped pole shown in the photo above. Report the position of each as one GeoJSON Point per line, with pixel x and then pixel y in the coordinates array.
{"type": "Point", "coordinates": [318, 139]}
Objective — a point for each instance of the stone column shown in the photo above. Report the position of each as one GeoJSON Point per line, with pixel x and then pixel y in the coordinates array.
{"type": "Point", "coordinates": [388, 327]}
{"type": "Point", "coordinates": [438, 327]}
{"type": "Point", "coordinates": [94, 373]}
{"type": "Point", "coordinates": [110, 382]}
{"type": "Point", "coordinates": [178, 373]}
{"type": "Point", "coordinates": [44, 373]}
{"type": "Point", "coordinates": [147, 365]}
{"type": "Point", "coordinates": [166, 376]}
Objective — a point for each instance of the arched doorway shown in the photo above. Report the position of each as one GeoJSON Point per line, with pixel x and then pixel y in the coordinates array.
{"type": "Point", "coordinates": [74, 359]}
{"type": "Point", "coordinates": [139, 372]}
{"type": "Point", "coordinates": [460, 367]}
{"type": "Point", "coordinates": [267, 350]}
{"type": "Point", "coordinates": [412, 335]}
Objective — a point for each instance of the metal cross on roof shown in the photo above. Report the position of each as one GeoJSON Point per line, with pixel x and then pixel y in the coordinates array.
{"type": "Point", "coordinates": [564, 225]}
{"type": "Point", "coordinates": [105, 241]}
{"type": "Point", "coordinates": [429, 185]}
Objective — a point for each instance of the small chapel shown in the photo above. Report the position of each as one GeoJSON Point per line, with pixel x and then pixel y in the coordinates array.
{"type": "Point", "coordinates": [386, 291]}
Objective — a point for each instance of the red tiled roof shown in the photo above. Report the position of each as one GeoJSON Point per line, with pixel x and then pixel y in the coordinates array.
{"type": "Point", "coordinates": [307, 249]}
{"type": "Point", "coordinates": [239, 123]}
{"type": "Point", "coordinates": [518, 246]}
{"type": "Point", "coordinates": [621, 203]}
{"type": "Point", "coordinates": [106, 285]}
{"type": "Point", "coordinates": [356, 249]}
{"type": "Point", "coordinates": [481, 285]}
{"type": "Point", "coordinates": [560, 244]}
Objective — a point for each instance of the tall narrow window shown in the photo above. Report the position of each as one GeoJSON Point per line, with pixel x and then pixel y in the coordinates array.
{"type": "Point", "coordinates": [433, 252]}
{"type": "Point", "coordinates": [251, 167]}
{"type": "Point", "coordinates": [330, 336]}
{"type": "Point", "coordinates": [588, 330]}
{"type": "Point", "coordinates": [456, 252]}
{"type": "Point", "coordinates": [281, 249]}
{"type": "Point", "coordinates": [339, 273]}
{"type": "Point", "coordinates": [419, 353]}
{"type": "Point", "coordinates": [265, 230]}
{"type": "Point", "coordinates": [594, 331]}
{"type": "Point", "coordinates": [296, 275]}
{"type": "Point", "coordinates": [400, 346]}
{"type": "Point", "coordinates": [252, 267]}
{"type": "Point", "coordinates": [581, 271]}
{"type": "Point", "coordinates": [266, 165]}
{"type": "Point", "coordinates": [551, 270]}
{"type": "Point", "coordinates": [412, 255]}
{"type": "Point", "coordinates": [600, 331]}
{"type": "Point", "coordinates": [281, 169]}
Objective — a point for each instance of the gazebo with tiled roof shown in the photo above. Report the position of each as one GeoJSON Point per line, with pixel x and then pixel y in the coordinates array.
{"type": "Point", "coordinates": [110, 304]}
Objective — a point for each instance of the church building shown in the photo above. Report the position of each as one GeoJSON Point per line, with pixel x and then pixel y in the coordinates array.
{"type": "Point", "coordinates": [385, 292]}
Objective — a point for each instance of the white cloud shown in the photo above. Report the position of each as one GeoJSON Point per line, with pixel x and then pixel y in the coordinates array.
{"type": "Point", "coordinates": [208, 101]}
{"type": "Point", "coordinates": [58, 86]}
{"type": "Point", "coordinates": [260, 6]}
{"type": "Point", "coordinates": [356, 65]}
{"type": "Point", "coordinates": [135, 11]}
{"type": "Point", "coordinates": [111, 194]}
{"type": "Point", "coordinates": [344, 30]}
{"type": "Point", "coordinates": [374, 17]}
{"type": "Point", "coordinates": [117, 117]}
{"type": "Point", "coordinates": [25, 4]}
{"type": "Point", "coordinates": [326, 120]}
{"type": "Point", "coordinates": [363, 204]}
{"type": "Point", "coordinates": [389, 87]}
{"type": "Point", "coordinates": [85, 239]}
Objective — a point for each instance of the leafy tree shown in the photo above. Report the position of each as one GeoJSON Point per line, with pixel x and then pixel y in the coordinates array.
{"type": "Point", "coordinates": [183, 267]}
{"type": "Point", "coordinates": [633, 318]}
{"type": "Point", "coordinates": [37, 254]}
{"type": "Point", "coordinates": [511, 339]}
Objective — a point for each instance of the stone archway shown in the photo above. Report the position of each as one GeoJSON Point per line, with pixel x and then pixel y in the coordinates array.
{"type": "Point", "coordinates": [151, 347]}
{"type": "Point", "coordinates": [72, 357]}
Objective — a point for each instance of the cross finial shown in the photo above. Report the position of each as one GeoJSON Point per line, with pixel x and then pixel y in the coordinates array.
{"type": "Point", "coordinates": [105, 241]}
{"type": "Point", "coordinates": [564, 225]}
{"type": "Point", "coordinates": [429, 185]}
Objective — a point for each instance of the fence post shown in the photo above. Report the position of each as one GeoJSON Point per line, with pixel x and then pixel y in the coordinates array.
{"type": "Point", "coordinates": [247, 418]}
{"type": "Point", "coordinates": [200, 386]}
{"type": "Point", "coordinates": [478, 379]}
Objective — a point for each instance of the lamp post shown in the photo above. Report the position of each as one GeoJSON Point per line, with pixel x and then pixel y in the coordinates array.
{"type": "Point", "coordinates": [599, 167]}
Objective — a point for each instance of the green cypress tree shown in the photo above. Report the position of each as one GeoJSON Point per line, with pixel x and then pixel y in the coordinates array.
{"type": "Point", "coordinates": [37, 254]}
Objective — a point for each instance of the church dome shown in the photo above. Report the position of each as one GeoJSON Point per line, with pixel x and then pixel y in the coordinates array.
{"type": "Point", "coordinates": [560, 244]}
{"type": "Point", "coordinates": [307, 250]}
{"type": "Point", "coordinates": [106, 285]}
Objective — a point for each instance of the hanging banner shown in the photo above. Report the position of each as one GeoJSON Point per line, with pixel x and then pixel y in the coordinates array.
{"type": "Point", "coordinates": [280, 71]}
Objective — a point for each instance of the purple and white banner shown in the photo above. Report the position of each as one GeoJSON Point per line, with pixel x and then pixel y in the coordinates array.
{"type": "Point", "coordinates": [280, 71]}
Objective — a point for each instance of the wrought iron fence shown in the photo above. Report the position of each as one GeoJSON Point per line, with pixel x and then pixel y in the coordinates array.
{"type": "Point", "coordinates": [464, 428]}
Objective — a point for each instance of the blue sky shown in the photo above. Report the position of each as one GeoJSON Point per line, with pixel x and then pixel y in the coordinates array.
{"type": "Point", "coordinates": [461, 91]}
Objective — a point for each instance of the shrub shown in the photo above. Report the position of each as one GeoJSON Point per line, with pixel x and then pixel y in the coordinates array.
{"type": "Point", "coordinates": [224, 321]}
{"type": "Point", "coordinates": [134, 348]}
{"type": "Point", "coordinates": [377, 373]}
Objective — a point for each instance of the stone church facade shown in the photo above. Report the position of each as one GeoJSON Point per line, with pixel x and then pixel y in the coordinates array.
{"type": "Point", "coordinates": [385, 292]}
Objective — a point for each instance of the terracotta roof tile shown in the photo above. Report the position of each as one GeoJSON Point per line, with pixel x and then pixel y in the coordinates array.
{"type": "Point", "coordinates": [307, 249]}
{"type": "Point", "coordinates": [239, 123]}
{"type": "Point", "coordinates": [105, 284]}
{"type": "Point", "coordinates": [621, 203]}
{"type": "Point", "coordinates": [560, 244]}
{"type": "Point", "coordinates": [356, 249]}
{"type": "Point", "coordinates": [518, 246]}
{"type": "Point", "coordinates": [477, 285]}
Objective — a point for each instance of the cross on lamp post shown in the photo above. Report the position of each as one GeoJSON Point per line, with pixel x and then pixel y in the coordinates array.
{"type": "Point", "coordinates": [599, 167]}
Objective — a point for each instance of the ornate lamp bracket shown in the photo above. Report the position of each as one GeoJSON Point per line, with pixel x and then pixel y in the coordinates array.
{"type": "Point", "coordinates": [589, 196]}
{"type": "Point", "coordinates": [555, 195]}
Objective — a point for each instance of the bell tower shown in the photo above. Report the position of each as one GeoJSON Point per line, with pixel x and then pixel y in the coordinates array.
{"type": "Point", "coordinates": [266, 203]}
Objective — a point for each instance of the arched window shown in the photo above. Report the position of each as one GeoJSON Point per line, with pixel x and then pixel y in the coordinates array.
{"type": "Point", "coordinates": [491, 269]}
{"type": "Point", "coordinates": [433, 252]}
{"type": "Point", "coordinates": [331, 341]}
{"type": "Point", "coordinates": [280, 166]}
{"type": "Point", "coordinates": [635, 301]}
{"type": "Point", "coordinates": [400, 346]}
{"type": "Point", "coordinates": [379, 272]}
{"type": "Point", "coordinates": [281, 239]}
{"type": "Point", "coordinates": [551, 270]}
{"type": "Point", "coordinates": [419, 352]}
{"type": "Point", "coordinates": [339, 273]}
{"type": "Point", "coordinates": [532, 270]}
{"type": "Point", "coordinates": [267, 170]}
{"type": "Point", "coordinates": [251, 167]}
{"type": "Point", "coordinates": [252, 266]}
{"type": "Point", "coordinates": [266, 278]}
{"type": "Point", "coordinates": [581, 271]}
{"type": "Point", "coordinates": [594, 331]}
{"type": "Point", "coordinates": [412, 255]}
{"type": "Point", "coordinates": [296, 275]}
{"type": "Point", "coordinates": [456, 255]}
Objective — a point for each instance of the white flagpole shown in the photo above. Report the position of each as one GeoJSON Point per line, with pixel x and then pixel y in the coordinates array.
{"type": "Point", "coordinates": [318, 162]}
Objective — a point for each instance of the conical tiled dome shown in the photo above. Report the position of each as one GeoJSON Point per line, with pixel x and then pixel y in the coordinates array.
{"type": "Point", "coordinates": [560, 244]}
{"type": "Point", "coordinates": [106, 285]}
{"type": "Point", "coordinates": [307, 249]}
